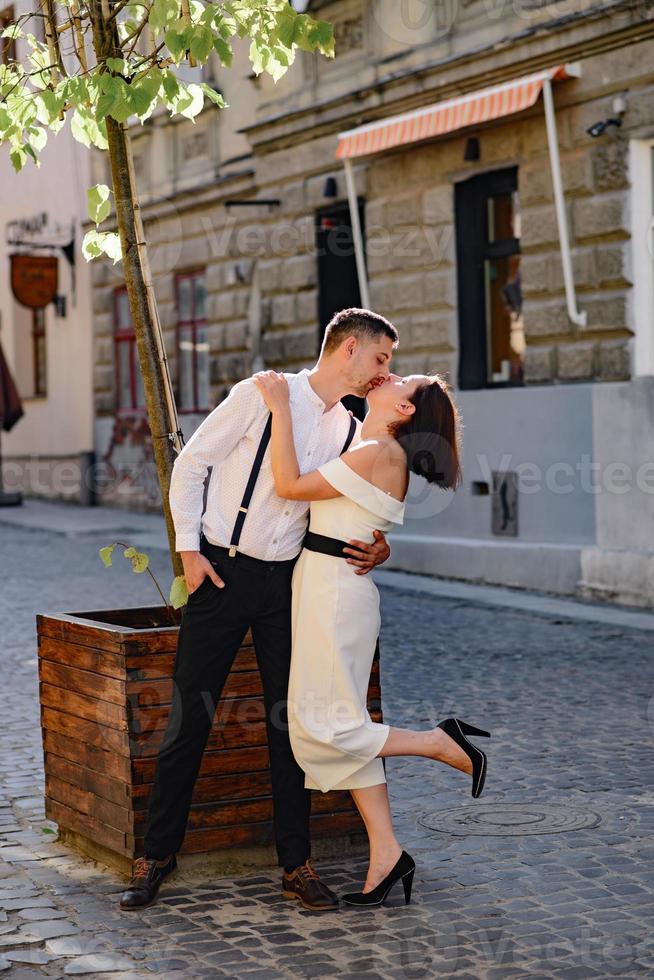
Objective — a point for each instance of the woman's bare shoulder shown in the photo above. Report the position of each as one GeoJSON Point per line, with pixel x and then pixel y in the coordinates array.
{"type": "Point", "coordinates": [381, 462]}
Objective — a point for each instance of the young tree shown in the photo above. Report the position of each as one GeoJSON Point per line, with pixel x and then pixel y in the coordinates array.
{"type": "Point", "coordinates": [103, 64]}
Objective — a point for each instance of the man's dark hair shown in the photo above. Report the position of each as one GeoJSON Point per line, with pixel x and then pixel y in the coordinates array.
{"type": "Point", "coordinates": [362, 324]}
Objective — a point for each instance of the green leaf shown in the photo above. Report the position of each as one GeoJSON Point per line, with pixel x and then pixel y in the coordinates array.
{"type": "Point", "coordinates": [258, 56]}
{"type": "Point", "coordinates": [139, 559]}
{"type": "Point", "coordinates": [106, 553]}
{"type": "Point", "coordinates": [320, 34]}
{"type": "Point", "coordinates": [144, 93]}
{"type": "Point", "coordinates": [212, 95]}
{"type": "Point", "coordinates": [178, 40]}
{"type": "Point", "coordinates": [171, 86]}
{"type": "Point", "coordinates": [201, 44]}
{"type": "Point", "coordinates": [99, 204]}
{"type": "Point", "coordinates": [18, 158]}
{"type": "Point", "coordinates": [29, 149]}
{"type": "Point", "coordinates": [163, 13]}
{"type": "Point", "coordinates": [14, 31]}
{"type": "Point", "coordinates": [49, 105]}
{"type": "Point", "coordinates": [97, 243]}
{"type": "Point", "coordinates": [178, 592]}
{"type": "Point", "coordinates": [224, 51]}
{"type": "Point", "coordinates": [86, 130]}
{"type": "Point", "coordinates": [191, 101]}
{"type": "Point", "coordinates": [119, 65]}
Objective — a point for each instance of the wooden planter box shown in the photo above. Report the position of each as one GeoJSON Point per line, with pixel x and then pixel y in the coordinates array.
{"type": "Point", "coordinates": [105, 682]}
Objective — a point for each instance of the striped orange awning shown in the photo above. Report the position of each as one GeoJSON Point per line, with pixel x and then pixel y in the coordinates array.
{"type": "Point", "coordinates": [446, 117]}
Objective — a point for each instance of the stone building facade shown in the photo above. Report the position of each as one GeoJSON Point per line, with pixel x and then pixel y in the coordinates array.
{"type": "Point", "coordinates": [558, 490]}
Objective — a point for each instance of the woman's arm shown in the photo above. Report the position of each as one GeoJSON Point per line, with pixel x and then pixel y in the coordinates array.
{"type": "Point", "coordinates": [289, 482]}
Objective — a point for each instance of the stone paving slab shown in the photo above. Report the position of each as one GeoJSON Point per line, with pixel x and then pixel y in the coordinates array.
{"type": "Point", "coordinates": [570, 705]}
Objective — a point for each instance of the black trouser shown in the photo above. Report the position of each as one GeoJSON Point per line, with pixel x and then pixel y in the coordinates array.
{"type": "Point", "coordinates": [214, 623]}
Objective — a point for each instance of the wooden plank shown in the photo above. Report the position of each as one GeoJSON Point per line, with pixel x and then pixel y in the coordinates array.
{"type": "Point", "coordinates": [86, 802]}
{"type": "Point", "coordinates": [250, 835]}
{"type": "Point", "coordinates": [147, 744]}
{"type": "Point", "coordinates": [100, 712]}
{"type": "Point", "coordinates": [85, 730]}
{"type": "Point", "coordinates": [83, 682]}
{"type": "Point", "coordinates": [214, 788]}
{"type": "Point", "coordinates": [67, 629]}
{"type": "Point", "coordinates": [162, 664]}
{"type": "Point", "coordinates": [95, 829]}
{"type": "Point", "coordinates": [136, 645]}
{"type": "Point", "coordinates": [84, 657]}
{"type": "Point", "coordinates": [230, 711]}
{"type": "Point", "coordinates": [245, 683]}
{"type": "Point", "coordinates": [90, 756]}
{"type": "Point", "coordinates": [214, 763]}
{"type": "Point", "coordinates": [238, 685]}
{"type": "Point", "coordinates": [106, 787]}
{"type": "Point", "coordinates": [217, 813]}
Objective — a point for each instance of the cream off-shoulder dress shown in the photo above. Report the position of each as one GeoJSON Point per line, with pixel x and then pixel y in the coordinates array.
{"type": "Point", "coordinates": [336, 622]}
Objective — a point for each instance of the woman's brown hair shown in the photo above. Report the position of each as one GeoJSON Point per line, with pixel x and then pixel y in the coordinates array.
{"type": "Point", "coordinates": [430, 437]}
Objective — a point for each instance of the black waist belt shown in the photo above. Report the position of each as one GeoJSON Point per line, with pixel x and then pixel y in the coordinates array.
{"type": "Point", "coordinates": [325, 545]}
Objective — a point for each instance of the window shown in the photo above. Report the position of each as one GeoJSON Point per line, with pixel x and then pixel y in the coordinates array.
{"type": "Point", "coordinates": [7, 45]}
{"type": "Point", "coordinates": [29, 355]}
{"type": "Point", "coordinates": [39, 351]}
{"type": "Point", "coordinates": [192, 342]}
{"type": "Point", "coordinates": [491, 329]}
{"type": "Point", "coordinates": [130, 396]}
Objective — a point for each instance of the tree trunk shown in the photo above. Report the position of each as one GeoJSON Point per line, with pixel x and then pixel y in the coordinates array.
{"type": "Point", "coordinates": [159, 400]}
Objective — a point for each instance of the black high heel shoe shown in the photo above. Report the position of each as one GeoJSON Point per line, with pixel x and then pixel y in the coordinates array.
{"type": "Point", "coordinates": [458, 730]}
{"type": "Point", "coordinates": [404, 869]}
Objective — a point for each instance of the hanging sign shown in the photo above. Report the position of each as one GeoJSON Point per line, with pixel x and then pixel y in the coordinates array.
{"type": "Point", "coordinates": [34, 279]}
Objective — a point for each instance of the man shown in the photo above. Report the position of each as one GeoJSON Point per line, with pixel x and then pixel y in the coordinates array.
{"type": "Point", "coordinates": [238, 560]}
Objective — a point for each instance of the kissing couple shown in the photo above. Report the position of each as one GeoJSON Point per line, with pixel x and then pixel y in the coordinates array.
{"type": "Point", "coordinates": [282, 447]}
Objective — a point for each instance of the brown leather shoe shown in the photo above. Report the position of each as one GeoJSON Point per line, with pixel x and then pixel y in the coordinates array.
{"type": "Point", "coordinates": [148, 875]}
{"type": "Point", "coordinates": [305, 885]}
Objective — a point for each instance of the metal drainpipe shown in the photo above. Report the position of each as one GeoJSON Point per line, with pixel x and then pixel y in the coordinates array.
{"type": "Point", "coordinates": [356, 232]}
{"type": "Point", "coordinates": [576, 316]}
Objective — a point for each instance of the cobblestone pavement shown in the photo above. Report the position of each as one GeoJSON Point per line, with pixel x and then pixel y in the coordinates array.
{"type": "Point", "coordinates": [571, 711]}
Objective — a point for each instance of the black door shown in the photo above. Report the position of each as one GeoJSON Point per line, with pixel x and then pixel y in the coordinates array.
{"type": "Point", "coordinates": [338, 283]}
{"type": "Point", "coordinates": [491, 337]}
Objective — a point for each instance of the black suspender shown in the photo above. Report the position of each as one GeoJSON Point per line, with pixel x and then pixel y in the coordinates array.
{"type": "Point", "coordinates": [350, 435]}
{"type": "Point", "coordinates": [254, 475]}
{"type": "Point", "coordinates": [249, 490]}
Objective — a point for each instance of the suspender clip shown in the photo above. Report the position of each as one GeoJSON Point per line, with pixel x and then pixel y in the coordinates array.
{"type": "Point", "coordinates": [232, 551]}
{"type": "Point", "coordinates": [243, 510]}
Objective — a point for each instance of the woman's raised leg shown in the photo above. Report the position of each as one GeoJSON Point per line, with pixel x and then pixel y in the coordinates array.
{"type": "Point", "coordinates": [431, 744]}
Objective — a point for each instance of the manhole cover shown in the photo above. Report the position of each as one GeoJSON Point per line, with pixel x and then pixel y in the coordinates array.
{"type": "Point", "coordinates": [509, 820]}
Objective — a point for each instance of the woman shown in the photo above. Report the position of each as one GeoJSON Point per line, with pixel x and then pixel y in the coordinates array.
{"type": "Point", "coordinates": [412, 425]}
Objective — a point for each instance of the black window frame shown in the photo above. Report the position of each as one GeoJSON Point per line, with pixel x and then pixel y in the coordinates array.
{"type": "Point", "coordinates": [471, 198]}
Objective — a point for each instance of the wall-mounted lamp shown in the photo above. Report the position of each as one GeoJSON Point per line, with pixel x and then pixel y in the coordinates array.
{"type": "Point", "coordinates": [472, 149]}
{"type": "Point", "coordinates": [331, 187]}
{"type": "Point", "coordinates": [619, 107]}
{"type": "Point", "coordinates": [60, 305]}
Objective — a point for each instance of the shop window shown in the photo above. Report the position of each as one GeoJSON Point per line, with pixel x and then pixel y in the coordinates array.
{"type": "Point", "coordinates": [491, 329]}
{"type": "Point", "coordinates": [130, 396]}
{"type": "Point", "coordinates": [192, 342]}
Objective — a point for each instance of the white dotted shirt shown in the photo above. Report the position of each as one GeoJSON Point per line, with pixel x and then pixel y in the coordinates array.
{"type": "Point", "coordinates": [227, 440]}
